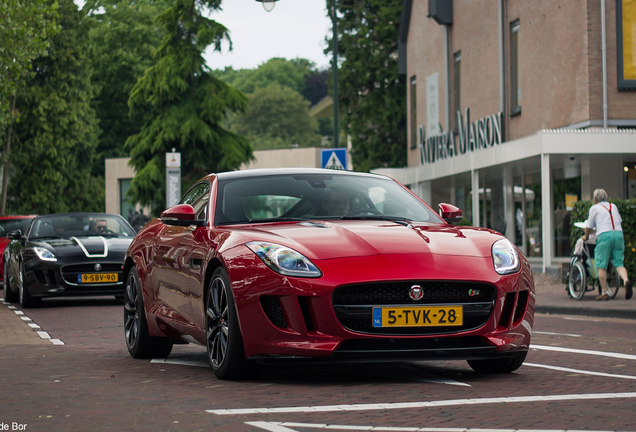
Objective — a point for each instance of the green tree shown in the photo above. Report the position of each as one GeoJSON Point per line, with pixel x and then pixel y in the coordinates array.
{"type": "Point", "coordinates": [182, 106]}
{"type": "Point", "coordinates": [371, 93]}
{"type": "Point", "coordinates": [25, 27]}
{"type": "Point", "coordinates": [57, 132]}
{"type": "Point", "coordinates": [276, 117]}
{"type": "Point", "coordinates": [123, 37]}
{"type": "Point", "coordinates": [288, 73]}
{"type": "Point", "coordinates": [268, 122]}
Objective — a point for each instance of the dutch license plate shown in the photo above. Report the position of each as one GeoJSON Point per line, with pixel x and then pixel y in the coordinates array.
{"type": "Point", "coordinates": [418, 316]}
{"type": "Point", "coordinates": [97, 277]}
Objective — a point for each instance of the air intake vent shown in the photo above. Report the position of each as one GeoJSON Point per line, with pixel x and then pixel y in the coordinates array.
{"type": "Point", "coordinates": [273, 310]}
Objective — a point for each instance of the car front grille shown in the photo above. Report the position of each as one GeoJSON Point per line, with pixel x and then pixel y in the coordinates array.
{"type": "Point", "coordinates": [354, 304]}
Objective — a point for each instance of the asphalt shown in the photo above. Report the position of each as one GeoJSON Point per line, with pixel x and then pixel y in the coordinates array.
{"type": "Point", "coordinates": [551, 299]}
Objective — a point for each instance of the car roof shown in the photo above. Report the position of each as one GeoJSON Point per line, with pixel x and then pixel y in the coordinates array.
{"type": "Point", "coordinates": [258, 172]}
{"type": "Point", "coordinates": [78, 214]}
{"type": "Point", "coordinates": [6, 217]}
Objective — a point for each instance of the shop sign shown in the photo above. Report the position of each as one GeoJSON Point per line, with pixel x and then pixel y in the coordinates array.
{"type": "Point", "coordinates": [481, 134]}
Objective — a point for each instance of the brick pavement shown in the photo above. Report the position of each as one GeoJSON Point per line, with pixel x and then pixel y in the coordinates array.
{"type": "Point", "coordinates": [551, 298]}
{"type": "Point", "coordinates": [14, 330]}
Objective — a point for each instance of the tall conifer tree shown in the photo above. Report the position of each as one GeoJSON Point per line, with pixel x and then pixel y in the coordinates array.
{"type": "Point", "coordinates": [371, 92]}
{"type": "Point", "coordinates": [183, 106]}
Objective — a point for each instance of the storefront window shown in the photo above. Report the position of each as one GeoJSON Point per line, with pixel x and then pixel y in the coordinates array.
{"type": "Point", "coordinates": [565, 193]}
{"type": "Point", "coordinates": [533, 218]}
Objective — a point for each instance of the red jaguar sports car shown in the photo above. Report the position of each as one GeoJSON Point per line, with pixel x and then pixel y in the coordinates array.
{"type": "Point", "coordinates": [8, 224]}
{"type": "Point", "coordinates": [323, 265]}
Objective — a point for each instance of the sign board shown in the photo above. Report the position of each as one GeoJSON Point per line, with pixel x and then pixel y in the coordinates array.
{"type": "Point", "coordinates": [173, 179]}
{"type": "Point", "coordinates": [335, 158]}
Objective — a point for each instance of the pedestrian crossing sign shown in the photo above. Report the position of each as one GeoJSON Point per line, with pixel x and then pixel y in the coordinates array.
{"type": "Point", "coordinates": [334, 158]}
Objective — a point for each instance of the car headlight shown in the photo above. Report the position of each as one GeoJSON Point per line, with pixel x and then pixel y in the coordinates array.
{"type": "Point", "coordinates": [505, 257]}
{"type": "Point", "coordinates": [284, 260]}
{"type": "Point", "coordinates": [44, 254]}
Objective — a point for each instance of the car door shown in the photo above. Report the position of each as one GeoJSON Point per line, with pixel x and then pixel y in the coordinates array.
{"type": "Point", "coordinates": [173, 267]}
{"type": "Point", "coordinates": [201, 242]}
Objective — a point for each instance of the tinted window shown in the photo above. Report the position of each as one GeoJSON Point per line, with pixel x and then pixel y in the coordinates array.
{"type": "Point", "coordinates": [313, 196]}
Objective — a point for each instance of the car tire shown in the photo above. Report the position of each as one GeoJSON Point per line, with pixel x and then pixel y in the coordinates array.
{"type": "Point", "coordinates": [577, 281]}
{"type": "Point", "coordinates": [138, 341]}
{"type": "Point", "coordinates": [224, 341]}
{"type": "Point", "coordinates": [26, 301]}
{"type": "Point", "coordinates": [9, 295]}
{"type": "Point", "coordinates": [500, 365]}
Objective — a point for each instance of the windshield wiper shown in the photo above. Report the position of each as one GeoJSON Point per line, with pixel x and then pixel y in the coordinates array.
{"type": "Point", "coordinates": [277, 219]}
{"type": "Point", "coordinates": [399, 220]}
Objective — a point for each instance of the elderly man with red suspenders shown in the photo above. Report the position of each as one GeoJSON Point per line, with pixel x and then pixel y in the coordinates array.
{"type": "Point", "coordinates": [605, 218]}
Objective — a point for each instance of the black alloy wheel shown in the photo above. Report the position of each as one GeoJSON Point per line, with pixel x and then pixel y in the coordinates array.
{"type": "Point", "coordinates": [223, 335]}
{"type": "Point", "coordinates": [26, 301]}
{"type": "Point", "coordinates": [138, 341]}
{"type": "Point", "coordinates": [9, 295]}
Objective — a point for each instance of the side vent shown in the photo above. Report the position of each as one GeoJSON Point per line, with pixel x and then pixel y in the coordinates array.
{"type": "Point", "coordinates": [274, 311]}
{"type": "Point", "coordinates": [305, 308]}
{"type": "Point", "coordinates": [506, 312]}
{"type": "Point", "coordinates": [522, 304]}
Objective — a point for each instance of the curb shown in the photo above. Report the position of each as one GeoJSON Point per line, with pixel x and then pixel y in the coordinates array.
{"type": "Point", "coordinates": [599, 313]}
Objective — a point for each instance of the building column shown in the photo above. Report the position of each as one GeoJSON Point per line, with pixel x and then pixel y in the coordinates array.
{"type": "Point", "coordinates": [509, 203]}
{"type": "Point", "coordinates": [474, 182]}
{"type": "Point", "coordinates": [547, 234]}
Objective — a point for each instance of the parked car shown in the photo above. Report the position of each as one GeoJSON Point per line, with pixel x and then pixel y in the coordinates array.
{"type": "Point", "coordinates": [69, 254]}
{"type": "Point", "coordinates": [8, 224]}
{"type": "Point", "coordinates": [323, 265]}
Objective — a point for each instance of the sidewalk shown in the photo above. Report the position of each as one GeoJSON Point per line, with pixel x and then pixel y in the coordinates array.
{"type": "Point", "coordinates": [551, 298]}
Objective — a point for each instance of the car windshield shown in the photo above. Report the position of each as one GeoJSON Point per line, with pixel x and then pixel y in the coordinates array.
{"type": "Point", "coordinates": [317, 196]}
{"type": "Point", "coordinates": [8, 225]}
{"type": "Point", "coordinates": [66, 226]}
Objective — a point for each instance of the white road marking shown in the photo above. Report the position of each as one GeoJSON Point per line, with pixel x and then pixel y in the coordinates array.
{"type": "Point", "coordinates": [32, 325]}
{"type": "Point", "coordinates": [285, 427]}
{"type": "Point", "coordinates": [270, 426]}
{"type": "Point", "coordinates": [428, 404]}
{"type": "Point", "coordinates": [557, 334]}
{"type": "Point", "coordinates": [578, 371]}
{"type": "Point", "coordinates": [589, 352]}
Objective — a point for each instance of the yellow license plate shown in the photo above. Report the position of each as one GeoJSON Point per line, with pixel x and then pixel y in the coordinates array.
{"type": "Point", "coordinates": [418, 316]}
{"type": "Point", "coordinates": [98, 277]}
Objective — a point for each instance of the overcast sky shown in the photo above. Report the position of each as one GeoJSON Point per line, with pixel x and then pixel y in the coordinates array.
{"type": "Point", "coordinates": [294, 28]}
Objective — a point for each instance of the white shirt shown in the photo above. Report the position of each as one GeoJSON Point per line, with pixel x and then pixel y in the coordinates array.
{"type": "Point", "coordinates": [600, 219]}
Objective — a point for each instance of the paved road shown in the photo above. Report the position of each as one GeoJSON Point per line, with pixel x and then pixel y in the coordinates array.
{"type": "Point", "coordinates": [580, 375]}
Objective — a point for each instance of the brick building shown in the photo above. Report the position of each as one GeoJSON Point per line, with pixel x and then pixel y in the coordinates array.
{"type": "Point", "coordinates": [518, 108]}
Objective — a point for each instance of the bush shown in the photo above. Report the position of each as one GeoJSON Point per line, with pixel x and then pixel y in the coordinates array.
{"type": "Point", "coordinates": [627, 209]}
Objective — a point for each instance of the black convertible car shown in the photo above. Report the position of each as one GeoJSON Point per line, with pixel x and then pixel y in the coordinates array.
{"type": "Point", "coordinates": [70, 254]}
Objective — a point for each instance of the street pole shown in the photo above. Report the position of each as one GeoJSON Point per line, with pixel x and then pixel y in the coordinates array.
{"type": "Point", "coordinates": [334, 25]}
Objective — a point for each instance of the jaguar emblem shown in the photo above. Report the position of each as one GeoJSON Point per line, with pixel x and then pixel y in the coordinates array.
{"type": "Point", "coordinates": [416, 292]}
{"type": "Point", "coordinates": [97, 267]}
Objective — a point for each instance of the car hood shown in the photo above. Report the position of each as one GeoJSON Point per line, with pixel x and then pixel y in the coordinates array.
{"type": "Point", "coordinates": [88, 246]}
{"type": "Point", "coordinates": [327, 240]}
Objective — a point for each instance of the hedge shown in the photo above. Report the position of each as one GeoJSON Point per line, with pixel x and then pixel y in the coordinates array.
{"type": "Point", "coordinates": [627, 209]}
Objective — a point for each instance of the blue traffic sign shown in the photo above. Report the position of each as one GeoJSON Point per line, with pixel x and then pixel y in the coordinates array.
{"type": "Point", "coordinates": [335, 158]}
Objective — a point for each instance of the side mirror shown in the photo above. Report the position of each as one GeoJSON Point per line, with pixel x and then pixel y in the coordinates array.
{"type": "Point", "coordinates": [180, 215]}
{"type": "Point", "coordinates": [450, 213]}
{"type": "Point", "coordinates": [15, 235]}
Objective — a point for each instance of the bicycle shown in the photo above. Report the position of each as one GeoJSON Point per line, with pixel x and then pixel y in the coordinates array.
{"type": "Point", "coordinates": [583, 275]}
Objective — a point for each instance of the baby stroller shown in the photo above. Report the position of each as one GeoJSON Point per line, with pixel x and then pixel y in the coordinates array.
{"type": "Point", "coordinates": [583, 277]}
